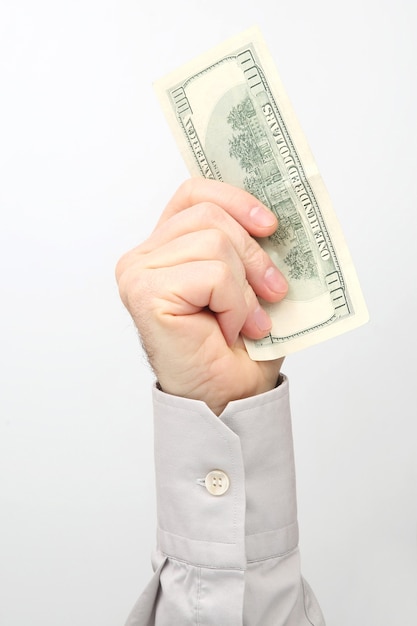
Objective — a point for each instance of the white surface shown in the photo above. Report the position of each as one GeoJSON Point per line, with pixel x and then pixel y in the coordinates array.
{"type": "Point", "coordinates": [86, 164]}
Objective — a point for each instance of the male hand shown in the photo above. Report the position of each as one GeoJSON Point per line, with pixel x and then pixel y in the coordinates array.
{"type": "Point", "coordinates": [192, 290]}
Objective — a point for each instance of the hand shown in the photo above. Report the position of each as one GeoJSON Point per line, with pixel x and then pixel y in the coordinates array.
{"type": "Point", "coordinates": [192, 287]}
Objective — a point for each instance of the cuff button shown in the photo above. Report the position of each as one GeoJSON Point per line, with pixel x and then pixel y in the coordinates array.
{"type": "Point", "coordinates": [217, 482]}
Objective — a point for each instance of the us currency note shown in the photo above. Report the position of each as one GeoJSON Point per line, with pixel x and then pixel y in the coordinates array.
{"type": "Point", "coordinates": [233, 122]}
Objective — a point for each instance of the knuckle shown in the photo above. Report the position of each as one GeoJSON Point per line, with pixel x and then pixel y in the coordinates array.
{"type": "Point", "coordinates": [129, 277]}
{"type": "Point", "coordinates": [125, 287]}
{"type": "Point", "coordinates": [130, 259]}
{"type": "Point", "coordinates": [218, 243]}
{"type": "Point", "coordinates": [255, 256]}
{"type": "Point", "coordinates": [233, 277]}
{"type": "Point", "coordinates": [221, 271]}
{"type": "Point", "coordinates": [121, 266]}
{"type": "Point", "coordinates": [209, 214]}
{"type": "Point", "coordinates": [135, 292]}
{"type": "Point", "coordinates": [188, 189]}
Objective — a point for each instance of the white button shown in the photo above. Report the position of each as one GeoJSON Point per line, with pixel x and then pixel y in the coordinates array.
{"type": "Point", "coordinates": [217, 482]}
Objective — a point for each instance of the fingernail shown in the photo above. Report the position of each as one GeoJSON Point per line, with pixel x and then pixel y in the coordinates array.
{"type": "Point", "coordinates": [275, 280]}
{"type": "Point", "coordinates": [262, 319]}
{"type": "Point", "coordinates": [262, 217]}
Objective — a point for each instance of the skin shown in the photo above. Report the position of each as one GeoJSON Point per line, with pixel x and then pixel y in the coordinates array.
{"type": "Point", "coordinates": [192, 290]}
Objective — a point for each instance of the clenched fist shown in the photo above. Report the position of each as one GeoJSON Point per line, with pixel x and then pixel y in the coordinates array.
{"type": "Point", "coordinates": [192, 290]}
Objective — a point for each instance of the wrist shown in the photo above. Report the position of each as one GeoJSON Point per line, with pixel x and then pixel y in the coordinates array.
{"type": "Point", "coordinates": [217, 393]}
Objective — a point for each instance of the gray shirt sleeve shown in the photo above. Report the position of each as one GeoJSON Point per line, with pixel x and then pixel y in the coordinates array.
{"type": "Point", "coordinates": [227, 537]}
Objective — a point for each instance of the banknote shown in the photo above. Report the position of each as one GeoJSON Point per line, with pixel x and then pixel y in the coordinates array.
{"type": "Point", "coordinates": [233, 122]}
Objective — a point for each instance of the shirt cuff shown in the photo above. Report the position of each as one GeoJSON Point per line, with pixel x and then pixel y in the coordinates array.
{"type": "Point", "coordinates": [250, 446]}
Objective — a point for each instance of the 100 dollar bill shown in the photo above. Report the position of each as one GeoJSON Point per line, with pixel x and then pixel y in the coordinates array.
{"type": "Point", "coordinates": [233, 122]}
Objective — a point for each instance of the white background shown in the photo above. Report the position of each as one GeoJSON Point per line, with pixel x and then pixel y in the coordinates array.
{"type": "Point", "coordinates": [87, 162]}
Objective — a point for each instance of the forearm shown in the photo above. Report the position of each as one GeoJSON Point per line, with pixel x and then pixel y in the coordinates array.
{"type": "Point", "coordinates": [230, 557]}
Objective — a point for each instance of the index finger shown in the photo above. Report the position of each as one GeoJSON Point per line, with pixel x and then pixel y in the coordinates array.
{"type": "Point", "coordinates": [247, 210]}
